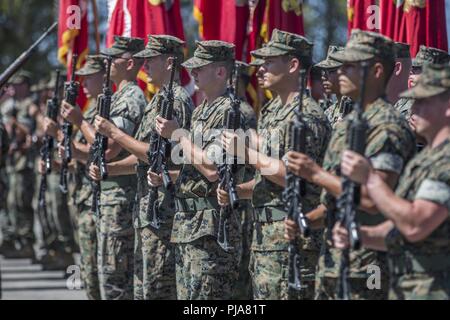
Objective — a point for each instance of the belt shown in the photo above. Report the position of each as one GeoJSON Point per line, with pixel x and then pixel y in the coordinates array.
{"type": "Point", "coordinates": [118, 182]}
{"type": "Point", "coordinates": [195, 204]}
{"type": "Point", "coordinates": [270, 214]}
{"type": "Point", "coordinates": [402, 264]}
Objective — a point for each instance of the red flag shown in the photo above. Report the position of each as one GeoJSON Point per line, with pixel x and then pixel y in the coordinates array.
{"type": "Point", "coordinates": [362, 14]}
{"type": "Point", "coordinates": [224, 20]}
{"type": "Point", "coordinates": [283, 15]}
{"type": "Point", "coordinates": [425, 24]}
{"type": "Point", "coordinates": [392, 22]}
{"type": "Point", "coordinates": [132, 18]}
{"type": "Point", "coordinates": [73, 37]}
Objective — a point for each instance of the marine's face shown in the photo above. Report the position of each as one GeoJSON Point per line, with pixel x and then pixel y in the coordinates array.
{"type": "Point", "coordinates": [119, 66]}
{"type": "Point", "coordinates": [428, 114]}
{"type": "Point", "coordinates": [274, 71]}
{"type": "Point", "coordinates": [349, 77]}
{"type": "Point", "coordinates": [414, 76]}
{"type": "Point", "coordinates": [330, 81]}
{"type": "Point", "coordinates": [92, 84]}
{"type": "Point", "coordinates": [155, 67]}
{"type": "Point", "coordinates": [204, 76]}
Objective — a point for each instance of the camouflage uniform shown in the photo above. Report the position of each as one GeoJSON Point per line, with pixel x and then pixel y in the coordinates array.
{"type": "Point", "coordinates": [243, 287]}
{"type": "Point", "coordinates": [4, 146]}
{"type": "Point", "coordinates": [389, 146]}
{"type": "Point", "coordinates": [424, 56]}
{"type": "Point", "coordinates": [269, 252]}
{"type": "Point", "coordinates": [421, 270]}
{"type": "Point", "coordinates": [87, 231]}
{"type": "Point", "coordinates": [115, 232]}
{"type": "Point", "coordinates": [204, 269]}
{"type": "Point", "coordinates": [154, 256]}
{"type": "Point", "coordinates": [20, 170]}
{"type": "Point", "coordinates": [336, 111]}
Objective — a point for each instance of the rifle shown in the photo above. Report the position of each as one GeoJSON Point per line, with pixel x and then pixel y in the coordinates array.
{"type": "Point", "coordinates": [100, 145]}
{"type": "Point", "coordinates": [70, 96]}
{"type": "Point", "coordinates": [20, 61]}
{"type": "Point", "coordinates": [46, 156]}
{"type": "Point", "coordinates": [159, 151]}
{"type": "Point", "coordinates": [227, 170]}
{"type": "Point", "coordinates": [350, 198]}
{"type": "Point", "coordinates": [295, 190]}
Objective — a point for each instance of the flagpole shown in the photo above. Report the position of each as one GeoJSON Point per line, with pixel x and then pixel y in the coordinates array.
{"type": "Point", "coordinates": [97, 34]}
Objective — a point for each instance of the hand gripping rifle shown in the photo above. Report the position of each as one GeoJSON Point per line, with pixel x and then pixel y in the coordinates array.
{"type": "Point", "coordinates": [46, 155]}
{"type": "Point", "coordinates": [350, 198]}
{"type": "Point", "coordinates": [227, 170]}
{"type": "Point", "coordinates": [70, 96]}
{"type": "Point", "coordinates": [159, 152]}
{"type": "Point", "coordinates": [100, 145]}
{"type": "Point", "coordinates": [295, 190]}
{"type": "Point", "coordinates": [23, 58]}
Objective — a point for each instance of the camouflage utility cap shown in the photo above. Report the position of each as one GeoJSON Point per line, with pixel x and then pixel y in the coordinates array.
{"type": "Point", "coordinates": [20, 77]}
{"type": "Point", "coordinates": [93, 65]}
{"type": "Point", "coordinates": [434, 80]}
{"type": "Point", "coordinates": [430, 55]}
{"type": "Point", "coordinates": [161, 44]}
{"type": "Point", "coordinates": [366, 45]}
{"type": "Point", "coordinates": [285, 43]}
{"type": "Point", "coordinates": [329, 62]}
{"type": "Point", "coordinates": [40, 86]}
{"type": "Point", "coordinates": [52, 82]}
{"type": "Point", "coordinates": [124, 44]}
{"type": "Point", "coordinates": [211, 51]}
{"type": "Point", "coordinates": [256, 62]}
{"type": "Point", "coordinates": [402, 50]}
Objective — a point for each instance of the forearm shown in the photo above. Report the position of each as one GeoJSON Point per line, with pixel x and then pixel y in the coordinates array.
{"type": "Point", "coordinates": [271, 168]}
{"type": "Point", "coordinates": [198, 159]}
{"type": "Point", "coordinates": [328, 181]}
{"type": "Point", "coordinates": [399, 210]}
{"type": "Point", "coordinates": [316, 217]}
{"type": "Point", "coordinates": [374, 237]}
{"type": "Point", "coordinates": [123, 167]}
{"type": "Point", "coordinates": [136, 147]}
{"type": "Point", "coordinates": [245, 190]}
{"type": "Point", "coordinates": [88, 131]}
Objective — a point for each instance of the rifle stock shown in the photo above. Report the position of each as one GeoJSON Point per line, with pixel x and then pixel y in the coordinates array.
{"type": "Point", "coordinates": [23, 58]}
{"type": "Point", "coordinates": [351, 191]}
{"type": "Point", "coordinates": [159, 152]}
{"type": "Point", "coordinates": [70, 96]}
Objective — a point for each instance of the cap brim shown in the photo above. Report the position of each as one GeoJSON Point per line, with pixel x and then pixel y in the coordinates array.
{"type": "Point", "coordinates": [256, 63]}
{"type": "Point", "coordinates": [195, 62]}
{"type": "Point", "coordinates": [350, 55]}
{"type": "Point", "coordinates": [417, 64]}
{"type": "Point", "coordinates": [147, 53]}
{"type": "Point", "coordinates": [422, 91]}
{"type": "Point", "coordinates": [268, 52]}
{"type": "Point", "coordinates": [112, 52]}
{"type": "Point", "coordinates": [86, 72]}
{"type": "Point", "coordinates": [328, 64]}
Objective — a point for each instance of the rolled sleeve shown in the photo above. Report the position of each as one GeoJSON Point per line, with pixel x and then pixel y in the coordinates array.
{"type": "Point", "coordinates": [387, 162]}
{"type": "Point", "coordinates": [435, 191]}
{"type": "Point", "coordinates": [124, 124]}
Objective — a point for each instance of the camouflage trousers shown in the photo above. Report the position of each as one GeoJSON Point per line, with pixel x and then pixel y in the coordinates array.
{"type": "Point", "coordinates": [243, 289]}
{"type": "Point", "coordinates": [154, 265]}
{"type": "Point", "coordinates": [115, 240]}
{"type": "Point", "coordinates": [419, 286]}
{"type": "Point", "coordinates": [204, 271]}
{"type": "Point", "coordinates": [326, 289]}
{"type": "Point", "coordinates": [5, 220]}
{"type": "Point", "coordinates": [270, 276]}
{"type": "Point", "coordinates": [20, 209]}
{"type": "Point", "coordinates": [87, 235]}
